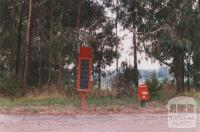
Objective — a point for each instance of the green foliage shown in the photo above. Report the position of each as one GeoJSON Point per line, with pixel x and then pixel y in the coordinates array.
{"type": "Point", "coordinates": [129, 74]}
{"type": "Point", "coordinates": [154, 86]}
{"type": "Point", "coordinates": [54, 29]}
{"type": "Point", "coordinates": [103, 47]}
{"type": "Point", "coordinates": [125, 79]}
{"type": "Point", "coordinates": [4, 17]}
{"type": "Point", "coordinates": [131, 13]}
{"type": "Point", "coordinates": [178, 34]}
{"type": "Point", "coordinates": [54, 25]}
{"type": "Point", "coordinates": [9, 85]}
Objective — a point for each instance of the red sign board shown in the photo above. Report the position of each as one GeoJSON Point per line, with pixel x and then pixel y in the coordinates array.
{"type": "Point", "coordinates": [143, 92]}
{"type": "Point", "coordinates": [84, 69]}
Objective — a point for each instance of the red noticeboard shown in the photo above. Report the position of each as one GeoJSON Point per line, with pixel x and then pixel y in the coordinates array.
{"type": "Point", "coordinates": [143, 92]}
{"type": "Point", "coordinates": [84, 69]}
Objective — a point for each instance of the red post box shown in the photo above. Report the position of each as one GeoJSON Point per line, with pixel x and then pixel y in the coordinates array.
{"type": "Point", "coordinates": [143, 93]}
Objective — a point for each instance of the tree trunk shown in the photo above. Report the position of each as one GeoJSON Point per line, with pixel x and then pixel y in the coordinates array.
{"type": "Point", "coordinates": [196, 63]}
{"type": "Point", "coordinates": [116, 39]}
{"type": "Point", "coordinates": [78, 40]}
{"type": "Point", "coordinates": [196, 74]}
{"type": "Point", "coordinates": [50, 43]}
{"type": "Point", "coordinates": [172, 4]}
{"type": "Point", "coordinates": [188, 76]}
{"type": "Point", "coordinates": [99, 75]}
{"type": "Point", "coordinates": [99, 68]}
{"type": "Point", "coordinates": [40, 67]}
{"type": "Point", "coordinates": [199, 4]}
{"type": "Point", "coordinates": [179, 72]}
{"type": "Point", "coordinates": [27, 46]}
{"type": "Point", "coordinates": [13, 31]}
{"type": "Point", "coordinates": [136, 81]}
{"type": "Point", "coordinates": [39, 56]}
{"type": "Point", "coordinates": [78, 18]}
{"type": "Point", "coordinates": [59, 70]}
{"type": "Point", "coordinates": [117, 58]}
{"type": "Point", "coordinates": [50, 62]}
{"type": "Point", "coordinates": [179, 65]}
{"type": "Point", "coordinates": [19, 41]}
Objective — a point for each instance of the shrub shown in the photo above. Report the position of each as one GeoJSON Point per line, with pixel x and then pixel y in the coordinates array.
{"type": "Point", "coordinates": [125, 80]}
{"type": "Point", "coordinates": [154, 86]}
{"type": "Point", "coordinates": [9, 85]}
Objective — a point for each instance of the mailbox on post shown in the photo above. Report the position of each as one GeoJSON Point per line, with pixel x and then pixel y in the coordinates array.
{"type": "Point", "coordinates": [143, 94]}
{"type": "Point", "coordinates": [84, 72]}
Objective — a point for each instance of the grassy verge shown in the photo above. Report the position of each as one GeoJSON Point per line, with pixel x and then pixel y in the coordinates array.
{"type": "Point", "coordinates": [72, 105]}
{"type": "Point", "coordinates": [108, 101]}
{"type": "Point", "coordinates": [67, 101]}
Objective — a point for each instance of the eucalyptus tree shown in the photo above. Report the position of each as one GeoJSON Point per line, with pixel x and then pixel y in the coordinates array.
{"type": "Point", "coordinates": [4, 36]}
{"type": "Point", "coordinates": [164, 28]}
{"type": "Point", "coordinates": [131, 16]}
{"type": "Point", "coordinates": [53, 44]}
{"type": "Point", "coordinates": [190, 31]}
{"type": "Point", "coordinates": [171, 44]}
{"type": "Point", "coordinates": [56, 39]}
{"type": "Point", "coordinates": [11, 20]}
{"type": "Point", "coordinates": [103, 48]}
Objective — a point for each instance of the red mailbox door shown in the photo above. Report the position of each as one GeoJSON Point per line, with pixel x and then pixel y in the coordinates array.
{"type": "Point", "coordinates": [84, 69]}
{"type": "Point", "coordinates": [143, 92]}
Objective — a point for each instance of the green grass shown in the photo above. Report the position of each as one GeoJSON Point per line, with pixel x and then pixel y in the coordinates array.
{"type": "Point", "coordinates": [68, 101]}
{"type": "Point", "coordinates": [6, 103]}
{"type": "Point", "coordinates": [108, 101]}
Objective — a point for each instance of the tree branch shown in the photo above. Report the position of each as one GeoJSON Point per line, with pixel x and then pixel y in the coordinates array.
{"type": "Point", "coordinates": [159, 59]}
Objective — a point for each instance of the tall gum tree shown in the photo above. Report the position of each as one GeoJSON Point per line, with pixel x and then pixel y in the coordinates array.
{"type": "Point", "coordinates": [178, 30]}
{"type": "Point", "coordinates": [27, 46]}
{"type": "Point", "coordinates": [131, 16]}
{"type": "Point", "coordinates": [13, 31]}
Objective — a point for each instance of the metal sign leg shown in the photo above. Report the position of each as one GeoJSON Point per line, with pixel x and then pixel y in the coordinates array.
{"type": "Point", "coordinates": [83, 94]}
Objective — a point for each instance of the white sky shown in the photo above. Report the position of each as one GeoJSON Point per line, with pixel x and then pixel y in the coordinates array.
{"type": "Point", "coordinates": [125, 50]}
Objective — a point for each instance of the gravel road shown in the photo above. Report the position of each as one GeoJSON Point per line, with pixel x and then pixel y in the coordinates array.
{"type": "Point", "coordinates": [90, 123]}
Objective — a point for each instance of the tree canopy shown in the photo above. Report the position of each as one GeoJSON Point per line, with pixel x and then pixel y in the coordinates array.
{"type": "Point", "coordinates": [39, 39]}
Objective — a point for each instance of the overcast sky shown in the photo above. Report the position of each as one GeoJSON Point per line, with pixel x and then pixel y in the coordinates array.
{"type": "Point", "coordinates": [125, 50]}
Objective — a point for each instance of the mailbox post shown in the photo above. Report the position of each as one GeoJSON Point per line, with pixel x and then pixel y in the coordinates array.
{"type": "Point", "coordinates": [143, 94]}
{"type": "Point", "coordinates": [84, 73]}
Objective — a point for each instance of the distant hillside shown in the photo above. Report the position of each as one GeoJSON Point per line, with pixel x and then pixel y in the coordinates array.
{"type": "Point", "coordinates": [161, 73]}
